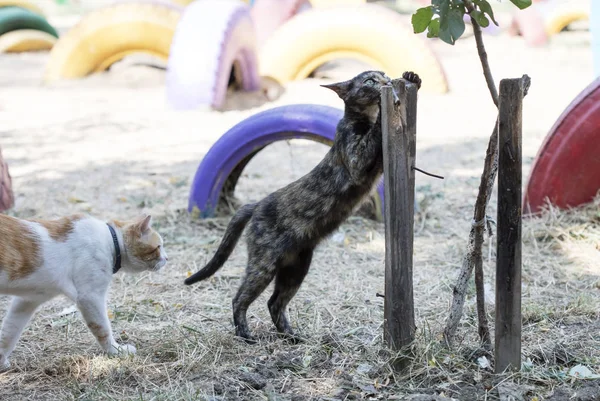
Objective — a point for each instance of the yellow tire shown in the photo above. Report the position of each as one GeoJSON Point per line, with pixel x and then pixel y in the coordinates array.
{"type": "Point", "coordinates": [367, 32]}
{"type": "Point", "coordinates": [26, 40]}
{"type": "Point", "coordinates": [109, 34]}
{"type": "Point", "coordinates": [23, 4]}
{"type": "Point", "coordinates": [561, 14]}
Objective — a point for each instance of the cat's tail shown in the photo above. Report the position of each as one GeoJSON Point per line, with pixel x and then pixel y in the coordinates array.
{"type": "Point", "coordinates": [230, 239]}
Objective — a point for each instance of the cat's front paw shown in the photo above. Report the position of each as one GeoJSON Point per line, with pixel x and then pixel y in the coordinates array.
{"type": "Point", "coordinates": [4, 364]}
{"type": "Point", "coordinates": [122, 350]}
{"type": "Point", "coordinates": [128, 349]}
{"type": "Point", "coordinates": [412, 77]}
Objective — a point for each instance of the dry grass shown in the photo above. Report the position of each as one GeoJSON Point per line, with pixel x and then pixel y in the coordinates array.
{"type": "Point", "coordinates": [187, 349]}
{"type": "Point", "coordinates": [107, 145]}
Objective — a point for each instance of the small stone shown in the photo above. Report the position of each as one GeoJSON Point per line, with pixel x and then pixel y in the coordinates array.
{"type": "Point", "coordinates": [255, 380]}
{"type": "Point", "coordinates": [218, 388]}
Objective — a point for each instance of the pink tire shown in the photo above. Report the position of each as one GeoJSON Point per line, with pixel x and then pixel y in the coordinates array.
{"type": "Point", "coordinates": [529, 23]}
{"type": "Point", "coordinates": [213, 37]}
{"type": "Point", "coordinates": [268, 15]}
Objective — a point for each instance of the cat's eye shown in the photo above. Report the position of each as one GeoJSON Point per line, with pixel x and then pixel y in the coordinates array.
{"type": "Point", "coordinates": [369, 81]}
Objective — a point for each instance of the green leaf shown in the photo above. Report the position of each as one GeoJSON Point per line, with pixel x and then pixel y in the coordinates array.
{"type": "Point", "coordinates": [421, 19]}
{"type": "Point", "coordinates": [433, 29]}
{"type": "Point", "coordinates": [444, 7]}
{"type": "Point", "coordinates": [480, 18]}
{"type": "Point", "coordinates": [452, 27]}
{"type": "Point", "coordinates": [522, 4]}
{"type": "Point", "coordinates": [486, 8]}
{"type": "Point", "coordinates": [456, 23]}
{"type": "Point", "coordinates": [444, 32]}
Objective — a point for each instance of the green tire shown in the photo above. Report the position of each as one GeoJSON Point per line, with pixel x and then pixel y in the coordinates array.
{"type": "Point", "coordinates": [14, 18]}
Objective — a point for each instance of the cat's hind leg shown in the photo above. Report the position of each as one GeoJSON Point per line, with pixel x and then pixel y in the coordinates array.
{"type": "Point", "coordinates": [93, 310]}
{"type": "Point", "coordinates": [288, 280]}
{"type": "Point", "coordinates": [18, 315]}
{"type": "Point", "coordinates": [259, 274]}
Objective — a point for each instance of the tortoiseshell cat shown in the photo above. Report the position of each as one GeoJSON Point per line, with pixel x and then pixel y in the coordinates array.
{"type": "Point", "coordinates": [286, 226]}
{"type": "Point", "coordinates": [74, 256]}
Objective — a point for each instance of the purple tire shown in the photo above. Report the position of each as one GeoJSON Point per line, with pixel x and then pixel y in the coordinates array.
{"type": "Point", "coordinates": [223, 164]}
{"type": "Point", "coordinates": [212, 38]}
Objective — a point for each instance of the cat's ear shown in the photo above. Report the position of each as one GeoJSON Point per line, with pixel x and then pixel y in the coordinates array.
{"type": "Point", "coordinates": [144, 224]}
{"type": "Point", "coordinates": [341, 88]}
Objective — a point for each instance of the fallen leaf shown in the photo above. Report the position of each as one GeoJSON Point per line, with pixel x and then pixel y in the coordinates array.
{"type": "Point", "coordinates": [338, 237]}
{"type": "Point", "coordinates": [484, 363]}
{"type": "Point", "coordinates": [582, 372]}
{"type": "Point", "coordinates": [73, 199]}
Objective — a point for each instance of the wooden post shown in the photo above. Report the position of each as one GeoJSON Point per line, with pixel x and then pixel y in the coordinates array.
{"type": "Point", "coordinates": [508, 261]}
{"type": "Point", "coordinates": [399, 128]}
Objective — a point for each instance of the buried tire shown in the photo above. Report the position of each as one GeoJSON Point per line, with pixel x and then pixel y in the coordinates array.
{"type": "Point", "coordinates": [566, 170]}
{"type": "Point", "coordinates": [563, 14]}
{"type": "Point", "coordinates": [364, 32]}
{"type": "Point", "coordinates": [212, 38]}
{"type": "Point", "coordinates": [541, 21]}
{"type": "Point", "coordinates": [109, 34]}
{"type": "Point", "coordinates": [15, 18]}
{"type": "Point", "coordinates": [24, 40]}
{"type": "Point", "coordinates": [221, 167]}
{"type": "Point", "coordinates": [268, 15]}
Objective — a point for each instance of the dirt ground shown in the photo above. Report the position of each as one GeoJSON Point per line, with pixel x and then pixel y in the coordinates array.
{"type": "Point", "coordinates": [108, 145]}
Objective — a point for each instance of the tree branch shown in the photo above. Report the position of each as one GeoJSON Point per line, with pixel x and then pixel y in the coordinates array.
{"type": "Point", "coordinates": [473, 258]}
{"type": "Point", "coordinates": [426, 173]}
{"type": "Point", "coordinates": [487, 72]}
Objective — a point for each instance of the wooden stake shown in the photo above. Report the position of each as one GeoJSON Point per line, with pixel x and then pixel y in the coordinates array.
{"type": "Point", "coordinates": [508, 261]}
{"type": "Point", "coordinates": [398, 124]}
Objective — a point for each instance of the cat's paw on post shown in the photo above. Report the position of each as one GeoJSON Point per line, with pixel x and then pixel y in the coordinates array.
{"type": "Point", "coordinates": [412, 77]}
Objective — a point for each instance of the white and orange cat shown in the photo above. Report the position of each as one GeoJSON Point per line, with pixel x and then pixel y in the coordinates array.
{"type": "Point", "coordinates": [74, 256]}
